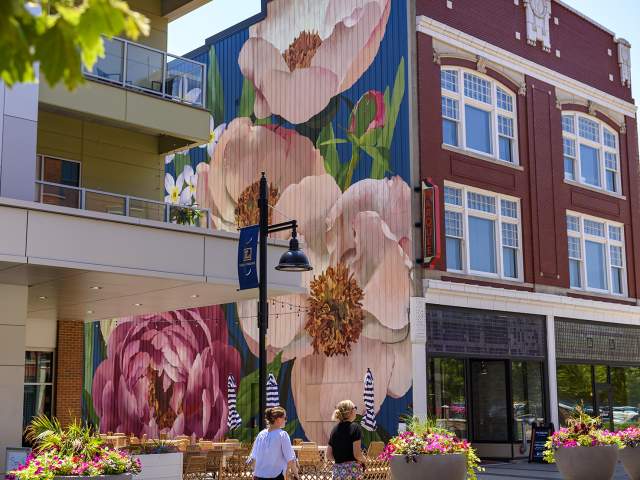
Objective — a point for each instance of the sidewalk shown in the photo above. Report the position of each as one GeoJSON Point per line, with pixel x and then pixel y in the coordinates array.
{"type": "Point", "coordinates": [531, 471]}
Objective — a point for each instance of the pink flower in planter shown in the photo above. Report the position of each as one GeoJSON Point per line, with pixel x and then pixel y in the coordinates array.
{"type": "Point", "coordinates": [167, 373]}
{"type": "Point", "coordinates": [308, 51]}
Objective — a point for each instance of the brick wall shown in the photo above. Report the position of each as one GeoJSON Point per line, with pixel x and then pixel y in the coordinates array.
{"type": "Point", "coordinates": [69, 371]}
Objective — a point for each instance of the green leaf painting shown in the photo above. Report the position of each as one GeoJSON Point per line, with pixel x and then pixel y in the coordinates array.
{"type": "Point", "coordinates": [215, 94]}
{"type": "Point", "coordinates": [247, 99]}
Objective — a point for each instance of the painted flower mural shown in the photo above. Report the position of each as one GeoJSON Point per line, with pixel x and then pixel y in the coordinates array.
{"type": "Point", "coordinates": [166, 373]}
{"type": "Point", "coordinates": [313, 95]}
{"type": "Point", "coordinates": [322, 44]}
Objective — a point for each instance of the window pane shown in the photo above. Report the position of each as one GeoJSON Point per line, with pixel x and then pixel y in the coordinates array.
{"type": "Point", "coordinates": [504, 100]}
{"type": "Point", "coordinates": [616, 281]}
{"type": "Point", "coordinates": [38, 367]}
{"type": "Point", "coordinates": [590, 165]}
{"type": "Point", "coordinates": [611, 161]}
{"type": "Point", "coordinates": [37, 401]}
{"type": "Point", "coordinates": [478, 129]}
{"type": "Point", "coordinates": [482, 244]}
{"type": "Point", "coordinates": [626, 396]}
{"type": "Point", "coordinates": [611, 181]}
{"type": "Point", "coordinates": [568, 124]}
{"type": "Point", "coordinates": [454, 253]}
{"type": "Point", "coordinates": [446, 394]}
{"type": "Point", "coordinates": [506, 149]}
{"type": "Point", "coordinates": [574, 388]}
{"type": "Point", "coordinates": [477, 88]}
{"type": "Point", "coordinates": [589, 129]}
{"type": "Point", "coordinates": [569, 168]}
{"type": "Point", "coordinates": [453, 224]}
{"type": "Point", "coordinates": [490, 412]}
{"type": "Point", "coordinates": [61, 171]}
{"type": "Point", "coordinates": [609, 139]}
{"type": "Point", "coordinates": [510, 235]}
{"type": "Point", "coordinates": [510, 262]}
{"type": "Point", "coordinates": [527, 395]}
{"type": "Point", "coordinates": [573, 223]}
{"type": "Point", "coordinates": [452, 196]}
{"type": "Point", "coordinates": [615, 233]}
{"type": "Point", "coordinates": [616, 256]}
{"type": "Point", "coordinates": [509, 208]}
{"type": "Point", "coordinates": [450, 108]}
{"type": "Point", "coordinates": [449, 80]}
{"type": "Point", "coordinates": [574, 274]}
{"type": "Point", "coordinates": [595, 258]}
{"type": "Point", "coordinates": [569, 147]}
{"type": "Point", "coordinates": [574, 248]}
{"type": "Point", "coordinates": [505, 126]}
{"type": "Point", "coordinates": [449, 132]}
{"type": "Point", "coordinates": [483, 203]}
{"type": "Point", "coordinates": [594, 228]}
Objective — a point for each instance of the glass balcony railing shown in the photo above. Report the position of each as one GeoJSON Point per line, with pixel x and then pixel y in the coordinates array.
{"type": "Point", "coordinates": [138, 67]}
{"type": "Point", "coordinates": [123, 205]}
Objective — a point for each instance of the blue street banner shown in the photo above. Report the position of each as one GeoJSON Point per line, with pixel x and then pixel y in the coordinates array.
{"type": "Point", "coordinates": [247, 256]}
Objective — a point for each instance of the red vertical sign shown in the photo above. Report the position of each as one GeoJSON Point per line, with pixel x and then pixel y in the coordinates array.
{"type": "Point", "coordinates": [430, 222]}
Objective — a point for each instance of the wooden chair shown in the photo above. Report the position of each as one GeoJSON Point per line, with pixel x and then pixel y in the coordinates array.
{"type": "Point", "coordinates": [205, 445]}
{"type": "Point", "coordinates": [195, 467]}
{"type": "Point", "coordinates": [193, 449]}
{"type": "Point", "coordinates": [377, 470]}
{"type": "Point", "coordinates": [309, 459]}
{"type": "Point", "coordinates": [297, 442]}
{"type": "Point", "coordinates": [374, 450]}
{"type": "Point", "coordinates": [236, 468]}
{"type": "Point", "coordinates": [214, 463]}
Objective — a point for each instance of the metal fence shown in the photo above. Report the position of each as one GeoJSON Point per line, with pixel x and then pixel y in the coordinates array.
{"type": "Point", "coordinates": [116, 204]}
{"type": "Point", "coordinates": [139, 67]}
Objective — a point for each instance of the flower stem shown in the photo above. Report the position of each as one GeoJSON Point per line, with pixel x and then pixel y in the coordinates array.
{"type": "Point", "coordinates": [355, 158]}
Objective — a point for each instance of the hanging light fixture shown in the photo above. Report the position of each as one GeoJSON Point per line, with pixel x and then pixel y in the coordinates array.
{"type": "Point", "coordinates": [294, 259]}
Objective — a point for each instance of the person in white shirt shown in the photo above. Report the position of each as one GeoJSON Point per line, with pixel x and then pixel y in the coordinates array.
{"type": "Point", "coordinates": [272, 451]}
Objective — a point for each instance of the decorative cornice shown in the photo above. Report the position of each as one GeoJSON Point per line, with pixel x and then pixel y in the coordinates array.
{"type": "Point", "coordinates": [558, 104]}
{"type": "Point", "coordinates": [623, 128]}
{"type": "Point", "coordinates": [499, 56]}
{"type": "Point", "coordinates": [436, 57]}
{"type": "Point", "coordinates": [523, 89]}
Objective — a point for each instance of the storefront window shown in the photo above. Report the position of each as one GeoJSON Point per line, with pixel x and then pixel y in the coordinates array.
{"type": "Point", "coordinates": [575, 387]}
{"type": "Point", "coordinates": [38, 385]}
{"type": "Point", "coordinates": [489, 400]}
{"type": "Point", "coordinates": [447, 401]}
{"type": "Point", "coordinates": [527, 395]}
{"type": "Point", "coordinates": [625, 383]}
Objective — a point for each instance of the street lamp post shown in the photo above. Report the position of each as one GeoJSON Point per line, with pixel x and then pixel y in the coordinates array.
{"type": "Point", "coordinates": [293, 260]}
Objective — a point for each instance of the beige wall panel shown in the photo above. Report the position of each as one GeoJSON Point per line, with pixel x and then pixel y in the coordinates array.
{"type": "Point", "coordinates": [13, 225]}
{"type": "Point", "coordinates": [40, 334]}
{"type": "Point", "coordinates": [92, 98]}
{"type": "Point", "coordinates": [110, 244]}
{"type": "Point", "coordinates": [12, 339]}
{"type": "Point", "coordinates": [11, 398]}
{"type": "Point", "coordinates": [177, 120]}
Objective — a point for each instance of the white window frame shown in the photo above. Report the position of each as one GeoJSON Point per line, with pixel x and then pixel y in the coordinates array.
{"type": "Point", "coordinates": [493, 109]}
{"type": "Point", "coordinates": [599, 146]}
{"type": "Point", "coordinates": [498, 218]}
{"type": "Point", "coordinates": [607, 242]}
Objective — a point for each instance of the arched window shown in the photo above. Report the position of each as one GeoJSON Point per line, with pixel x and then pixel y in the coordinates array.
{"type": "Point", "coordinates": [591, 155]}
{"type": "Point", "coordinates": [478, 114]}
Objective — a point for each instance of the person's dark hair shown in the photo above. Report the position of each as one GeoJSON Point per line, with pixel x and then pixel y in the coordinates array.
{"type": "Point", "coordinates": [274, 413]}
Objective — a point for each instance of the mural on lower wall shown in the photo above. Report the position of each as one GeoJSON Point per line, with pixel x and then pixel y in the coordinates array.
{"type": "Point", "coordinates": [315, 96]}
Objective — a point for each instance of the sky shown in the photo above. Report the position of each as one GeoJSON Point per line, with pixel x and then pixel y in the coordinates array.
{"type": "Point", "coordinates": [189, 32]}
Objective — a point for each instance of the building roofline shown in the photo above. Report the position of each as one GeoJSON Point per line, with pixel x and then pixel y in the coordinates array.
{"type": "Point", "coordinates": [588, 19]}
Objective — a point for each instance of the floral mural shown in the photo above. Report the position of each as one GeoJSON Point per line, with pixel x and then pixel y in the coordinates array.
{"type": "Point", "coordinates": [315, 96]}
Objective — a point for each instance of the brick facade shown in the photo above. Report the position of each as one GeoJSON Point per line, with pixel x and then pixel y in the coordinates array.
{"type": "Point", "coordinates": [69, 371]}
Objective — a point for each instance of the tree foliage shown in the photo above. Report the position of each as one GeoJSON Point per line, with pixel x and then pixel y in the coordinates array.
{"type": "Point", "coordinates": [60, 35]}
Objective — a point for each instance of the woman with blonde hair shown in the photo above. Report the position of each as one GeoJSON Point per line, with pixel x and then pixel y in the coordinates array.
{"type": "Point", "coordinates": [344, 444]}
{"type": "Point", "coordinates": [272, 451]}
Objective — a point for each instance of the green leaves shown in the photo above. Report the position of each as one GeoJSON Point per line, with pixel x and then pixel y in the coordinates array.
{"type": "Point", "coordinates": [63, 40]}
{"type": "Point", "coordinates": [247, 99]}
{"type": "Point", "coordinates": [215, 94]}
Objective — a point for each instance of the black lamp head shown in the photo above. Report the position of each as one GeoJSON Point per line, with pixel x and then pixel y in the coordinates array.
{"type": "Point", "coordinates": [294, 259]}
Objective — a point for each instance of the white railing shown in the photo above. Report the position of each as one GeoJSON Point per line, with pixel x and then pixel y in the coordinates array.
{"type": "Point", "coordinates": [116, 204]}
{"type": "Point", "coordinates": [139, 67]}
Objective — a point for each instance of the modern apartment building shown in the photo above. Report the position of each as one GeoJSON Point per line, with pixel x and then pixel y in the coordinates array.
{"type": "Point", "coordinates": [530, 307]}
{"type": "Point", "coordinates": [87, 232]}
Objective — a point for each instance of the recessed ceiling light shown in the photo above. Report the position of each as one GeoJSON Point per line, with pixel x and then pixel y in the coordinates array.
{"type": "Point", "coordinates": [89, 312]}
{"type": "Point", "coordinates": [137, 304]}
{"type": "Point", "coordinates": [195, 295]}
{"type": "Point", "coordinates": [42, 297]}
{"type": "Point", "coordinates": [96, 287]}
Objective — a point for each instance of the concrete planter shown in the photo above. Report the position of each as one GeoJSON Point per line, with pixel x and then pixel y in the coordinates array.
{"type": "Point", "coordinates": [430, 467]}
{"type": "Point", "coordinates": [580, 463]}
{"type": "Point", "coordinates": [630, 458]}
{"type": "Point", "coordinates": [125, 476]}
{"type": "Point", "coordinates": [161, 466]}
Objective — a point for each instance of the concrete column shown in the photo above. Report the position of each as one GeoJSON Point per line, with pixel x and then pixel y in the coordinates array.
{"type": "Point", "coordinates": [418, 319]}
{"type": "Point", "coordinates": [551, 368]}
{"type": "Point", "coordinates": [13, 318]}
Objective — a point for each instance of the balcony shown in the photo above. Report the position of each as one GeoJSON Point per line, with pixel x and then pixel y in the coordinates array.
{"type": "Point", "coordinates": [114, 204]}
{"type": "Point", "coordinates": [138, 67]}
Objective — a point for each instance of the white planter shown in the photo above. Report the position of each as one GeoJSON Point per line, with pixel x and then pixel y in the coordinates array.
{"type": "Point", "coordinates": [161, 466]}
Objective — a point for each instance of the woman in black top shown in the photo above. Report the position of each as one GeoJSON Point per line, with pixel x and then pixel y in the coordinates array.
{"type": "Point", "coordinates": [344, 444]}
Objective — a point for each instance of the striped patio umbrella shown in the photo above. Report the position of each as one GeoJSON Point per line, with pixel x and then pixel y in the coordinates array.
{"type": "Point", "coordinates": [273, 396]}
{"type": "Point", "coordinates": [233, 418]}
{"type": "Point", "coordinates": [369, 418]}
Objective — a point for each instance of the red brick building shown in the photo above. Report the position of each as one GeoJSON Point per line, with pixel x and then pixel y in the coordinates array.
{"type": "Point", "coordinates": [527, 127]}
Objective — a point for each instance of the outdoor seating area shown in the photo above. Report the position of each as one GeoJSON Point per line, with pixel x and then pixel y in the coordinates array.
{"type": "Point", "coordinates": [205, 459]}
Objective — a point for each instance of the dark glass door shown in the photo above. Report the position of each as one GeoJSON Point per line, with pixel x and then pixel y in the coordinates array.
{"type": "Point", "coordinates": [490, 411]}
